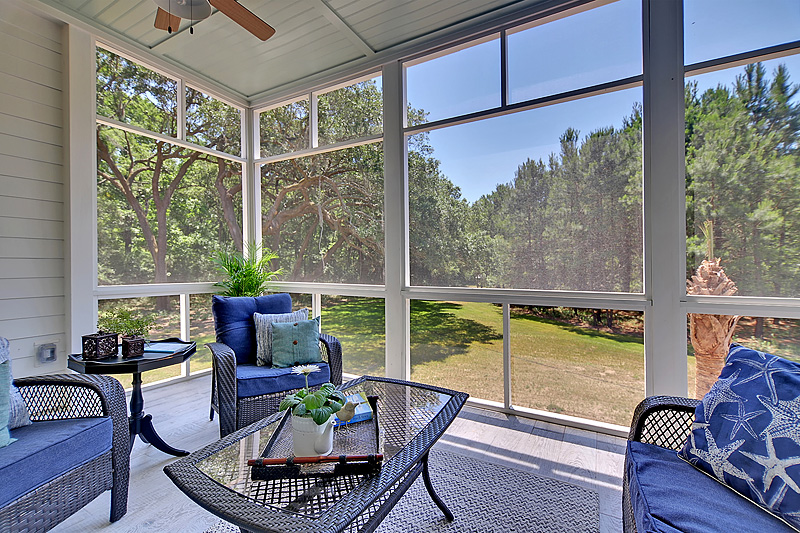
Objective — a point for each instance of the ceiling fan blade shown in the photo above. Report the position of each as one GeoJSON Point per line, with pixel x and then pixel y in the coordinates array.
{"type": "Point", "coordinates": [244, 18]}
{"type": "Point", "coordinates": [164, 21]}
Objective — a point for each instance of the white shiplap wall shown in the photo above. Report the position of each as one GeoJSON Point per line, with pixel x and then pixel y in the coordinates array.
{"type": "Point", "coordinates": [31, 187]}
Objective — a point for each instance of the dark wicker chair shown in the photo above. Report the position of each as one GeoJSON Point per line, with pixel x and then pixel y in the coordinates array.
{"type": "Point", "coordinates": [235, 412]}
{"type": "Point", "coordinates": [61, 397]}
{"type": "Point", "coordinates": [664, 421]}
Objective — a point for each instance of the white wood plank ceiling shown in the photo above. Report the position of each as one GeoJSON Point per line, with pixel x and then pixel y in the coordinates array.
{"type": "Point", "coordinates": [313, 39]}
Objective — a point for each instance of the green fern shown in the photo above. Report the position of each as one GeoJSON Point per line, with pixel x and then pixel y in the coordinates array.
{"type": "Point", "coordinates": [247, 274]}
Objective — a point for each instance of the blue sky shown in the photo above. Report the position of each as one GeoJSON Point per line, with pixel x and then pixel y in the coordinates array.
{"type": "Point", "coordinates": [565, 55]}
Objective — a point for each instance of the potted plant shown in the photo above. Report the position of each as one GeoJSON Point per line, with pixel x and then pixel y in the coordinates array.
{"type": "Point", "coordinates": [312, 415]}
{"type": "Point", "coordinates": [246, 274]}
{"type": "Point", "coordinates": [131, 326]}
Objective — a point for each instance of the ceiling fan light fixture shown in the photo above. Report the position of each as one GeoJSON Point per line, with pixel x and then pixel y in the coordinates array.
{"type": "Point", "coordinates": [186, 9]}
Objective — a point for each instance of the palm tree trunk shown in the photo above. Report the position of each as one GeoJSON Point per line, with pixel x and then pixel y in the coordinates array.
{"type": "Point", "coordinates": [711, 338]}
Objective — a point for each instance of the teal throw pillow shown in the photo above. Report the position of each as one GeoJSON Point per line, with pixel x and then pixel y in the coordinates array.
{"type": "Point", "coordinates": [295, 343]}
{"type": "Point", "coordinates": [263, 322]}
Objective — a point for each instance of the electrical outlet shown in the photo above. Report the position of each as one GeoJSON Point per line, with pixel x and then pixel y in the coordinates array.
{"type": "Point", "coordinates": [45, 353]}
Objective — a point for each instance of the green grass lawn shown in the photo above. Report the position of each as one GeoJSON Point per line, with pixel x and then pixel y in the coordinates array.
{"type": "Point", "coordinates": [555, 366]}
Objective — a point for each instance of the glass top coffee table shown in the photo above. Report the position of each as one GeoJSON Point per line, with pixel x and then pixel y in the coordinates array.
{"type": "Point", "coordinates": [410, 419]}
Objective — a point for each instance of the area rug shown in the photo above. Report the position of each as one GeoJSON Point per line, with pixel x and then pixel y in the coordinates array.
{"type": "Point", "coordinates": [487, 498]}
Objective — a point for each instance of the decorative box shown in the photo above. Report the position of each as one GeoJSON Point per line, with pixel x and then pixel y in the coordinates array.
{"type": "Point", "coordinates": [132, 347]}
{"type": "Point", "coordinates": [99, 346]}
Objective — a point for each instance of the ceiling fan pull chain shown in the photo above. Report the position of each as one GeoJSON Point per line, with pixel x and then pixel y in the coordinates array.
{"type": "Point", "coordinates": [191, 18]}
{"type": "Point", "coordinates": [169, 6]}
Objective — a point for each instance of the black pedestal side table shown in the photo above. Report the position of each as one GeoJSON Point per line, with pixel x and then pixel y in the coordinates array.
{"type": "Point", "coordinates": [154, 357]}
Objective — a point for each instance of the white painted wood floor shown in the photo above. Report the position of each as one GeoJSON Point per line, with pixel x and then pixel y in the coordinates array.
{"type": "Point", "coordinates": [180, 415]}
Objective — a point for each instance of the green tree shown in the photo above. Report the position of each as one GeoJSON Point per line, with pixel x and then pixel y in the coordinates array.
{"type": "Point", "coordinates": [742, 170]}
{"type": "Point", "coordinates": [158, 190]}
{"type": "Point", "coordinates": [437, 221]}
{"type": "Point", "coordinates": [323, 214]}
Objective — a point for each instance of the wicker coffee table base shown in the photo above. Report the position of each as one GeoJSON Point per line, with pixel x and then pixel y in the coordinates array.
{"type": "Point", "coordinates": [411, 417]}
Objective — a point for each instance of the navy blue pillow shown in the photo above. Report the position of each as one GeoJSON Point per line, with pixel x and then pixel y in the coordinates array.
{"type": "Point", "coordinates": [233, 320]}
{"type": "Point", "coordinates": [746, 431]}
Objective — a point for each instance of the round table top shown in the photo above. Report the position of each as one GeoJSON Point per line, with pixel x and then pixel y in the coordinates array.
{"type": "Point", "coordinates": [157, 354]}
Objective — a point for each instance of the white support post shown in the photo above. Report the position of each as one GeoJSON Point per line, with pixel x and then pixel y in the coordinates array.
{"type": "Point", "coordinates": [398, 314]}
{"type": "Point", "coordinates": [316, 304]}
{"type": "Point", "coordinates": [507, 399]}
{"type": "Point", "coordinates": [251, 179]}
{"type": "Point", "coordinates": [80, 179]}
{"type": "Point", "coordinates": [186, 321]}
{"type": "Point", "coordinates": [313, 119]}
{"type": "Point", "coordinates": [664, 197]}
{"type": "Point", "coordinates": [181, 110]}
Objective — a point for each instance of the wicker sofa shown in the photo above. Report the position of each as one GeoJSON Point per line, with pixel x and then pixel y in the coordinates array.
{"type": "Point", "coordinates": [663, 493]}
{"type": "Point", "coordinates": [77, 447]}
{"type": "Point", "coordinates": [241, 391]}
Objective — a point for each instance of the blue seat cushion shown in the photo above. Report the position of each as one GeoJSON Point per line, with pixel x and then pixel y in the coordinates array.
{"type": "Point", "coordinates": [670, 495]}
{"type": "Point", "coordinates": [233, 320]}
{"type": "Point", "coordinates": [253, 380]}
{"type": "Point", "coordinates": [45, 450]}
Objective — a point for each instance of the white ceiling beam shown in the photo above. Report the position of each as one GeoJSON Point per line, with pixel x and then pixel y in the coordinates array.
{"type": "Point", "coordinates": [338, 22]}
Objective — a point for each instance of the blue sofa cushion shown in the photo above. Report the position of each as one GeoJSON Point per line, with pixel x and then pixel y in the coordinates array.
{"type": "Point", "coordinates": [233, 320]}
{"type": "Point", "coordinates": [253, 380]}
{"type": "Point", "coordinates": [45, 450]}
{"type": "Point", "coordinates": [746, 430]}
{"type": "Point", "coordinates": [669, 495]}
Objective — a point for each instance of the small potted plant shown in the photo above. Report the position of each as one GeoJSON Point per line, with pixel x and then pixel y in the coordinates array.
{"type": "Point", "coordinates": [131, 326]}
{"type": "Point", "coordinates": [312, 415]}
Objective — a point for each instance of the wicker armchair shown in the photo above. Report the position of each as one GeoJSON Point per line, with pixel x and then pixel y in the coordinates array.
{"type": "Point", "coordinates": [64, 397]}
{"type": "Point", "coordinates": [235, 412]}
{"type": "Point", "coordinates": [664, 421]}
{"type": "Point", "coordinates": [233, 323]}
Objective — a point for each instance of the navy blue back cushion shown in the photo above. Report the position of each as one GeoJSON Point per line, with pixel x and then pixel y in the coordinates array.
{"type": "Point", "coordinates": [233, 320]}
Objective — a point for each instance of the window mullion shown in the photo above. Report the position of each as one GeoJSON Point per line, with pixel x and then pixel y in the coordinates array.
{"type": "Point", "coordinates": [503, 69]}
{"type": "Point", "coordinates": [398, 313]}
{"type": "Point", "coordinates": [664, 197]}
{"type": "Point", "coordinates": [181, 111]}
{"type": "Point", "coordinates": [251, 180]}
{"type": "Point", "coordinates": [313, 120]}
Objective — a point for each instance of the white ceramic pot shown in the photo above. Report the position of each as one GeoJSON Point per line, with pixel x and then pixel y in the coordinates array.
{"type": "Point", "coordinates": [310, 439]}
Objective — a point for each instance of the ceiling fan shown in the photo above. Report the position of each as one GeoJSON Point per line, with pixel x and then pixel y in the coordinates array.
{"type": "Point", "coordinates": [170, 13]}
